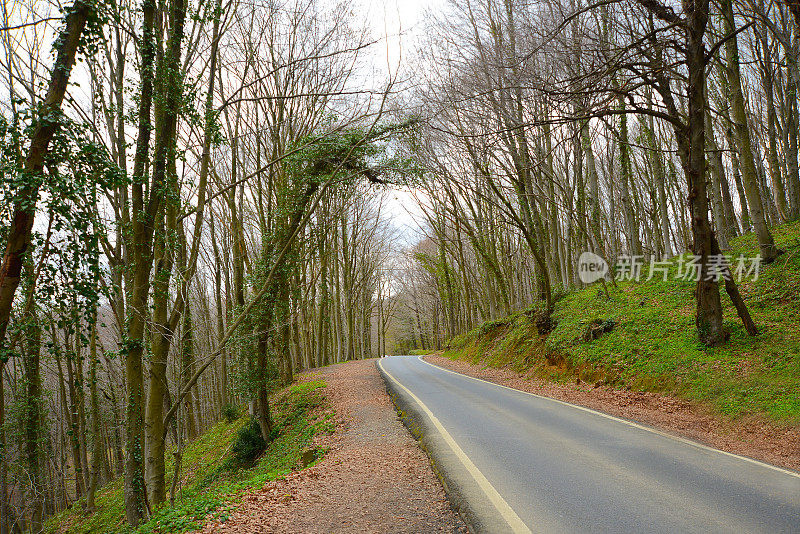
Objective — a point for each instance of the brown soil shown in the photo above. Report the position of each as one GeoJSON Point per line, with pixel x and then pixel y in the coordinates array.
{"type": "Point", "coordinates": [374, 479]}
{"type": "Point", "coordinates": [751, 437]}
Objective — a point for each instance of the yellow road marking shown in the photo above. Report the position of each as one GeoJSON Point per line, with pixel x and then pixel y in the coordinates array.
{"type": "Point", "coordinates": [494, 497]}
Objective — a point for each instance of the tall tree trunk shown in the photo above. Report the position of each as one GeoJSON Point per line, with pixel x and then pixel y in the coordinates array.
{"type": "Point", "coordinates": [717, 177]}
{"type": "Point", "coordinates": [98, 455]}
{"type": "Point", "coordinates": [660, 177]}
{"type": "Point", "coordinates": [591, 171]}
{"type": "Point", "coordinates": [141, 258]}
{"type": "Point", "coordinates": [220, 315]}
{"type": "Point", "coordinates": [81, 401]}
{"type": "Point", "coordinates": [47, 122]}
{"type": "Point", "coordinates": [323, 318]}
{"type": "Point", "coordinates": [768, 84]}
{"type": "Point", "coordinates": [187, 370]}
{"type": "Point", "coordinates": [692, 151]}
{"type": "Point", "coordinates": [747, 223]}
{"type": "Point", "coordinates": [553, 222]}
{"type": "Point", "coordinates": [164, 184]}
{"type": "Point", "coordinates": [625, 180]}
{"type": "Point", "coordinates": [32, 418]}
{"type": "Point", "coordinates": [4, 500]}
{"type": "Point", "coordinates": [742, 135]}
{"type": "Point", "coordinates": [157, 383]}
{"type": "Point", "coordinates": [73, 420]}
{"type": "Point", "coordinates": [791, 126]}
{"type": "Point", "coordinates": [709, 307]}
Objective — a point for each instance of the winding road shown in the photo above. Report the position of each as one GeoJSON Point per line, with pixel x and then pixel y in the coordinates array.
{"type": "Point", "coordinates": [517, 462]}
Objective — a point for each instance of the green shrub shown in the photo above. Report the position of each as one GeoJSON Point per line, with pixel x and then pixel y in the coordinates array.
{"type": "Point", "coordinates": [249, 443]}
{"type": "Point", "coordinates": [230, 413]}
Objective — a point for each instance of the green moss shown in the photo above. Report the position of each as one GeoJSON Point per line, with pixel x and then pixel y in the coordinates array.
{"type": "Point", "coordinates": [211, 477]}
{"type": "Point", "coordinates": [653, 344]}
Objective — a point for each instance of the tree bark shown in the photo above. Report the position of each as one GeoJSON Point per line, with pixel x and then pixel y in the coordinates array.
{"type": "Point", "coordinates": [32, 418]}
{"type": "Point", "coordinates": [768, 84]}
{"type": "Point", "coordinates": [743, 141]}
{"type": "Point", "coordinates": [46, 124]}
{"type": "Point", "coordinates": [717, 177]}
{"type": "Point", "coordinates": [791, 126]}
{"type": "Point", "coordinates": [164, 183]}
{"type": "Point", "coordinates": [709, 307]}
{"type": "Point", "coordinates": [141, 262]}
{"type": "Point", "coordinates": [626, 179]}
{"type": "Point", "coordinates": [98, 454]}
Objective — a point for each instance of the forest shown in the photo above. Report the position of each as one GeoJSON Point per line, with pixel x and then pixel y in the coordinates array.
{"type": "Point", "coordinates": [200, 199]}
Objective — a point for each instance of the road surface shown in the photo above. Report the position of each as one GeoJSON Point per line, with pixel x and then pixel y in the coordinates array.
{"type": "Point", "coordinates": [516, 462]}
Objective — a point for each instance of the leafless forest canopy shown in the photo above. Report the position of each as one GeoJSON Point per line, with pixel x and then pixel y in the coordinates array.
{"type": "Point", "coordinates": [197, 197]}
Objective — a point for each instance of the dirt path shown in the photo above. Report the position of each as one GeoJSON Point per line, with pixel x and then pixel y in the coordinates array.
{"type": "Point", "coordinates": [374, 479]}
{"type": "Point", "coordinates": [748, 437]}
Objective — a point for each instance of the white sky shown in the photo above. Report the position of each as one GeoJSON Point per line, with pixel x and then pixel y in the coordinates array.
{"type": "Point", "coordinates": [400, 22]}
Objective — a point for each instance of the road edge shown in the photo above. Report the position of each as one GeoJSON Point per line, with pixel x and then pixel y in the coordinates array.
{"type": "Point", "coordinates": [667, 433]}
{"type": "Point", "coordinates": [469, 502]}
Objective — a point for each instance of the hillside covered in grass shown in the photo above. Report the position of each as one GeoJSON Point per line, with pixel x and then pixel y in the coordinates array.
{"type": "Point", "coordinates": [643, 338]}
{"type": "Point", "coordinates": [217, 467]}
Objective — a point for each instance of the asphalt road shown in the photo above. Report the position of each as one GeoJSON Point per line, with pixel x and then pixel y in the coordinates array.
{"type": "Point", "coordinates": [516, 462]}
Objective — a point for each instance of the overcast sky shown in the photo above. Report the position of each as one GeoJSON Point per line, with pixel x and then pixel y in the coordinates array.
{"type": "Point", "coordinates": [400, 22]}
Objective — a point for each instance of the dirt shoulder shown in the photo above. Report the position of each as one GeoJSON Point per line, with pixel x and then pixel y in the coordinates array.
{"type": "Point", "coordinates": [748, 437]}
{"type": "Point", "coordinates": [374, 479]}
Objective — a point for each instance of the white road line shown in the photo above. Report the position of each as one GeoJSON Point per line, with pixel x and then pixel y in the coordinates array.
{"type": "Point", "coordinates": [494, 497]}
{"type": "Point", "coordinates": [629, 423]}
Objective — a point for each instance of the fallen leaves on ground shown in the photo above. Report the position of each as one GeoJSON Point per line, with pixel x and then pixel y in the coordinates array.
{"type": "Point", "coordinates": [374, 478]}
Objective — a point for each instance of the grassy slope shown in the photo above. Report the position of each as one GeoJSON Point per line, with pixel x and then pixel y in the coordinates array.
{"type": "Point", "coordinates": [211, 479]}
{"type": "Point", "coordinates": [654, 347]}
